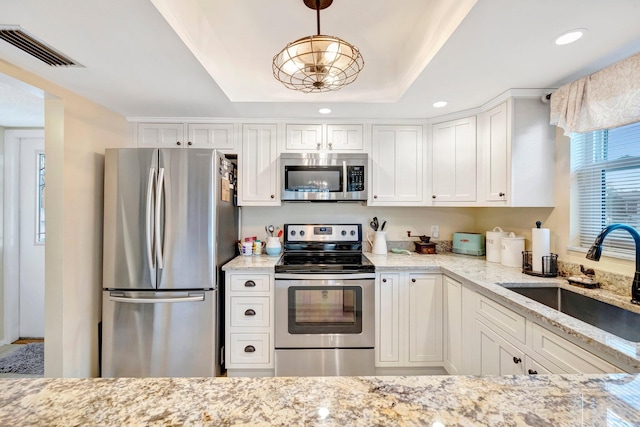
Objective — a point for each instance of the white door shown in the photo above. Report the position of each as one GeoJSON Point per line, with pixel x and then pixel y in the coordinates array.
{"type": "Point", "coordinates": [31, 281]}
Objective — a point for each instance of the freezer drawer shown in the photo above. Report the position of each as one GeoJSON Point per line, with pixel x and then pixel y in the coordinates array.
{"type": "Point", "coordinates": [159, 334]}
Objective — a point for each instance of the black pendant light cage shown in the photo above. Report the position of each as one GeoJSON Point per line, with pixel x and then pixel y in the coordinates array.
{"type": "Point", "coordinates": [317, 63]}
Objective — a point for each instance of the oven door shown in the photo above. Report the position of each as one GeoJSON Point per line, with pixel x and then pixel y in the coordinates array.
{"type": "Point", "coordinates": [335, 312]}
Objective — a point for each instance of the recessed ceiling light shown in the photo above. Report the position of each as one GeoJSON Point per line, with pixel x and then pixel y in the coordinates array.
{"type": "Point", "coordinates": [440, 104]}
{"type": "Point", "coordinates": [570, 36]}
{"type": "Point", "coordinates": [324, 110]}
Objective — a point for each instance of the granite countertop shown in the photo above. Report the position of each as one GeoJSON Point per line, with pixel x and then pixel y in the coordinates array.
{"type": "Point", "coordinates": [485, 277]}
{"type": "Point", "coordinates": [568, 400]}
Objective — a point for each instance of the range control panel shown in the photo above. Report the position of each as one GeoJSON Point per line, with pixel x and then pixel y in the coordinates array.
{"type": "Point", "coordinates": [322, 232]}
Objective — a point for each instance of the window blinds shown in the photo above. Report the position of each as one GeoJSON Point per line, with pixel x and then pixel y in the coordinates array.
{"type": "Point", "coordinates": [605, 175]}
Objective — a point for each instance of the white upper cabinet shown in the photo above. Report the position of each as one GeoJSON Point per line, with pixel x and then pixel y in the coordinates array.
{"type": "Point", "coordinates": [518, 154]}
{"type": "Point", "coordinates": [209, 135]}
{"type": "Point", "coordinates": [197, 135]}
{"type": "Point", "coordinates": [397, 159]}
{"type": "Point", "coordinates": [323, 137]}
{"type": "Point", "coordinates": [258, 164]}
{"type": "Point", "coordinates": [454, 161]}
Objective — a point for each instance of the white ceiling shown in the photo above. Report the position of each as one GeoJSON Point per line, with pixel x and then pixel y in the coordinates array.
{"type": "Point", "coordinates": [211, 58]}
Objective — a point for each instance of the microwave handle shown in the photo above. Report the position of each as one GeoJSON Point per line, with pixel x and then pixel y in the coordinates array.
{"type": "Point", "coordinates": [344, 179]}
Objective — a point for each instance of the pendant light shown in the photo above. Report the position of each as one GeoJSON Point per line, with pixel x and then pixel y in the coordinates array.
{"type": "Point", "coordinates": [317, 63]}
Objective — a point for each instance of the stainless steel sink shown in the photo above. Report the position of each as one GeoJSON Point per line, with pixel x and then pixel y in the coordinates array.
{"type": "Point", "coordinates": [616, 320]}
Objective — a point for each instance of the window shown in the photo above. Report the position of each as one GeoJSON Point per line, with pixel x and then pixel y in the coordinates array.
{"type": "Point", "coordinates": [40, 198]}
{"type": "Point", "coordinates": [605, 175]}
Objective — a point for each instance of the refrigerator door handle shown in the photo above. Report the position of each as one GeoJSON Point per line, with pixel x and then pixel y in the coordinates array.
{"type": "Point", "coordinates": [190, 298]}
{"type": "Point", "coordinates": [148, 219]}
{"type": "Point", "coordinates": [159, 242]}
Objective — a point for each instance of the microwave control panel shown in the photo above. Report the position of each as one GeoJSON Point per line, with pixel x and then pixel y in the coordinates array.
{"type": "Point", "coordinates": [355, 178]}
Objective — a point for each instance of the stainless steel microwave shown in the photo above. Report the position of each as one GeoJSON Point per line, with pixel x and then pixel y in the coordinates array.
{"type": "Point", "coordinates": [323, 177]}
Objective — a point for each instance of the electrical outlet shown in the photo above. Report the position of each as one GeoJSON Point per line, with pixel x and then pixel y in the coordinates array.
{"type": "Point", "coordinates": [435, 231]}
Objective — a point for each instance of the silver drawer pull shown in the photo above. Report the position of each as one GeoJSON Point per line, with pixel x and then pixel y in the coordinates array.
{"type": "Point", "coordinates": [249, 349]}
{"type": "Point", "coordinates": [249, 284]}
{"type": "Point", "coordinates": [250, 312]}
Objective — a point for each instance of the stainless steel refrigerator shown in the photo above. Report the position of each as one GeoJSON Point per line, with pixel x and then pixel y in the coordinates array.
{"type": "Point", "coordinates": [169, 225]}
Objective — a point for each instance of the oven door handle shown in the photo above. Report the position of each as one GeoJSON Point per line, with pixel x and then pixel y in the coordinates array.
{"type": "Point", "coordinates": [316, 276]}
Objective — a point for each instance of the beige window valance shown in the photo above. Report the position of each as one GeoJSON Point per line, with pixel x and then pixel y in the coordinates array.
{"type": "Point", "coordinates": [606, 99]}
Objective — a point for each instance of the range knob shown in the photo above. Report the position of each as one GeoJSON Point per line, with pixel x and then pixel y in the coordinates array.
{"type": "Point", "coordinates": [353, 232]}
{"type": "Point", "coordinates": [293, 232]}
{"type": "Point", "coordinates": [302, 232]}
{"type": "Point", "coordinates": [344, 232]}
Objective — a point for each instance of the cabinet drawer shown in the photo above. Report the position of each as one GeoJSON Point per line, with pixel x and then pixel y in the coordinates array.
{"type": "Point", "coordinates": [250, 349]}
{"type": "Point", "coordinates": [250, 283]}
{"type": "Point", "coordinates": [250, 311]}
{"type": "Point", "coordinates": [510, 322]}
{"type": "Point", "coordinates": [566, 355]}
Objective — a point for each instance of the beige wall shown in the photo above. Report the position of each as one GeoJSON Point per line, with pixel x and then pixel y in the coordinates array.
{"type": "Point", "coordinates": [2, 314]}
{"type": "Point", "coordinates": [76, 133]}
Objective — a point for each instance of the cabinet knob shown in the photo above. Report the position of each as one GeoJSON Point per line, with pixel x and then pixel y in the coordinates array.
{"type": "Point", "coordinates": [273, 196]}
{"type": "Point", "coordinates": [413, 280]}
{"type": "Point", "coordinates": [249, 349]}
{"type": "Point", "coordinates": [330, 146]}
{"type": "Point", "coordinates": [516, 360]}
{"type": "Point", "coordinates": [384, 280]}
{"type": "Point", "coordinates": [178, 143]}
{"type": "Point", "coordinates": [375, 197]}
{"type": "Point", "coordinates": [250, 312]}
{"type": "Point", "coordinates": [189, 143]}
{"type": "Point", "coordinates": [433, 196]}
{"type": "Point", "coordinates": [501, 194]}
{"type": "Point", "coordinates": [249, 284]}
{"type": "Point", "coordinates": [532, 372]}
{"type": "Point", "coordinates": [318, 146]}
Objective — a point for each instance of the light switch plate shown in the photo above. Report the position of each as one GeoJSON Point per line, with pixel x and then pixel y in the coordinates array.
{"type": "Point", "coordinates": [435, 231]}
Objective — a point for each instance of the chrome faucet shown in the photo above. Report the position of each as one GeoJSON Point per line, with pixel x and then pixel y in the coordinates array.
{"type": "Point", "coordinates": [596, 251]}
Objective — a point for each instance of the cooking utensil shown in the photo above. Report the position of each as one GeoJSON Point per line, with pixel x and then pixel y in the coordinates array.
{"type": "Point", "coordinates": [280, 233]}
{"type": "Point", "coordinates": [383, 224]}
{"type": "Point", "coordinates": [400, 251]}
{"type": "Point", "coordinates": [373, 226]}
{"type": "Point", "coordinates": [375, 220]}
{"type": "Point", "coordinates": [271, 229]}
{"type": "Point", "coordinates": [266, 229]}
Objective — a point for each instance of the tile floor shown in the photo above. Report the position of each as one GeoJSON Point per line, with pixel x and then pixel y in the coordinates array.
{"type": "Point", "coordinates": [10, 348]}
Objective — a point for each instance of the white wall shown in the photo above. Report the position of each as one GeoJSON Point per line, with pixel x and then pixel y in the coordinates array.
{"type": "Point", "coordinates": [77, 131]}
{"type": "Point", "coordinates": [2, 298]}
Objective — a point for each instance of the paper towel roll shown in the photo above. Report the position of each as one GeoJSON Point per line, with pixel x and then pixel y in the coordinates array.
{"type": "Point", "coordinates": [540, 247]}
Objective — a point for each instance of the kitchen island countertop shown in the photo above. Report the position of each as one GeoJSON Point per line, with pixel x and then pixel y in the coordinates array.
{"type": "Point", "coordinates": [570, 400]}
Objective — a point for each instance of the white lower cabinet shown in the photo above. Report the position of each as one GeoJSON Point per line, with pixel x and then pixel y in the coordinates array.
{"type": "Point", "coordinates": [453, 325]}
{"type": "Point", "coordinates": [507, 343]}
{"type": "Point", "coordinates": [408, 319]}
{"type": "Point", "coordinates": [249, 323]}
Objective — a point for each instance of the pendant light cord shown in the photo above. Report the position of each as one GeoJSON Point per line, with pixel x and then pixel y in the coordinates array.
{"type": "Point", "coordinates": [318, 14]}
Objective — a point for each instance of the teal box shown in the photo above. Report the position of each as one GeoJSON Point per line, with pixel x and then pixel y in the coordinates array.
{"type": "Point", "coordinates": [468, 243]}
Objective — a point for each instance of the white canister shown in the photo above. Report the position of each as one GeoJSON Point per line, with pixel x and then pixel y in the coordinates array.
{"type": "Point", "coordinates": [511, 248]}
{"type": "Point", "coordinates": [247, 248]}
{"type": "Point", "coordinates": [492, 246]}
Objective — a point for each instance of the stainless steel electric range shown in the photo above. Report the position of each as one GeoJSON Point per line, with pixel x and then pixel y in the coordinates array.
{"type": "Point", "coordinates": [324, 317]}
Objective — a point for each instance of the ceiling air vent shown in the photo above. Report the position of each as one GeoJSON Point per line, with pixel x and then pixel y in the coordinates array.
{"type": "Point", "coordinates": [34, 47]}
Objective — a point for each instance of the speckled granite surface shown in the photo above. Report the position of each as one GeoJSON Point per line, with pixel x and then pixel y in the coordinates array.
{"type": "Point", "coordinates": [485, 277]}
{"type": "Point", "coordinates": [581, 400]}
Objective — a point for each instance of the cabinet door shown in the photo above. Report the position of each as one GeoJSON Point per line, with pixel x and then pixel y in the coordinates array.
{"type": "Point", "coordinates": [209, 135]}
{"type": "Point", "coordinates": [496, 149]}
{"type": "Point", "coordinates": [258, 166]}
{"type": "Point", "coordinates": [452, 325]}
{"type": "Point", "coordinates": [496, 356]}
{"type": "Point", "coordinates": [454, 161]}
{"type": "Point", "coordinates": [397, 159]}
{"type": "Point", "coordinates": [161, 135]}
{"type": "Point", "coordinates": [388, 320]}
{"type": "Point", "coordinates": [344, 137]}
{"type": "Point", "coordinates": [303, 137]}
{"type": "Point", "coordinates": [424, 299]}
